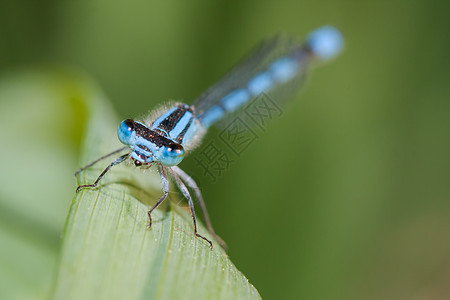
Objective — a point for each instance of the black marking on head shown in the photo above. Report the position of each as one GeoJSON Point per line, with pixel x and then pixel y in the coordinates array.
{"type": "Point", "coordinates": [175, 147]}
{"type": "Point", "coordinates": [151, 135]}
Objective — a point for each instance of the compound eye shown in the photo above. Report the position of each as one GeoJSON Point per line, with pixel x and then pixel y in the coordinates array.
{"type": "Point", "coordinates": [172, 155]}
{"type": "Point", "coordinates": [125, 131]}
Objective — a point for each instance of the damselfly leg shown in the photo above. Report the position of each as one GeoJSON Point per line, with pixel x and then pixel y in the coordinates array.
{"type": "Point", "coordinates": [115, 162]}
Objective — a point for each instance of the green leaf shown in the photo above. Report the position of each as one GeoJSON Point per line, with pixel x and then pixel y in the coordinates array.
{"type": "Point", "coordinates": [108, 251]}
{"type": "Point", "coordinates": [41, 116]}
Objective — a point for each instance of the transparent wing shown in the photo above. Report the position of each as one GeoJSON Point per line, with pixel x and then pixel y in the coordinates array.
{"type": "Point", "coordinates": [238, 77]}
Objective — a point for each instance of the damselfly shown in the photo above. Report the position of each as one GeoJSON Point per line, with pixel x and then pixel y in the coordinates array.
{"type": "Point", "coordinates": [164, 139]}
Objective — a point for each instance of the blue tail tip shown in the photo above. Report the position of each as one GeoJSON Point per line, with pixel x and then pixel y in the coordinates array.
{"type": "Point", "coordinates": [325, 42]}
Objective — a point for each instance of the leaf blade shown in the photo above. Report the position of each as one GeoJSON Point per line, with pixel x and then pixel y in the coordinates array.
{"type": "Point", "coordinates": [109, 253]}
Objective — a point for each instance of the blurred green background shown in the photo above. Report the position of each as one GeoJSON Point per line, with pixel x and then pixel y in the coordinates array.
{"type": "Point", "coordinates": [360, 210]}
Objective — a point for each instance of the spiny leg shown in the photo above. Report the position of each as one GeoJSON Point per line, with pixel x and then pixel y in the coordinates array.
{"type": "Point", "coordinates": [186, 194]}
{"type": "Point", "coordinates": [165, 184]}
{"type": "Point", "coordinates": [115, 162]}
{"type": "Point", "coordinates": [99, 159]}
{"type": "Point", "coordinates": [192, 184]}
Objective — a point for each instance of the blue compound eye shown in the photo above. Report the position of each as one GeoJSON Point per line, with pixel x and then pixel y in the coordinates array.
{"type": "Point", "coordinates": [172, 155]}
{"type": "Point", "coordinates": [125, 131]}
